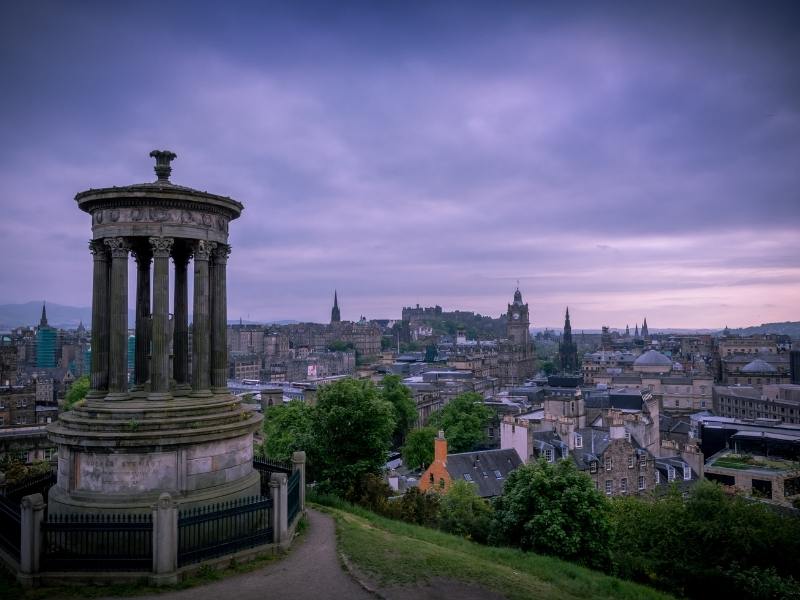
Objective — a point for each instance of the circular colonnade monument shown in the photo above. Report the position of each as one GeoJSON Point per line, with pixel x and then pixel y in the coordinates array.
{"type": "Point", "coordinates": [176, 429]}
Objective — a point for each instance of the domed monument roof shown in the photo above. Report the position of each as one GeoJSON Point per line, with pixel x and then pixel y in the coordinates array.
{"type": "Point", "coordinates": [758, 366]}
{"type": "Point", "coordinates": [652, 358]}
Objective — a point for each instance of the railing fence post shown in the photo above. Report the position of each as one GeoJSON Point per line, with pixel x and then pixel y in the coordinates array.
{"type": "Point", "coordinates": [165, 541]}
{"type": "Point", "coordinates": [280, 508]}
{"type": "Point", "coordinates": [31, 516]}
{"type": "Point", "coordinates": [299, 464]}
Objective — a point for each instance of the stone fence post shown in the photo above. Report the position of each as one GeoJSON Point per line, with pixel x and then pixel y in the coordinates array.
{"type": "Point", "coordinates": [32, 514]}
{"type": "Point", "coordinates": [278, 491]}
{"type": "Point", "coordinates": [165, 541]}
{"type": "Point", "coordinates": [299, 464]}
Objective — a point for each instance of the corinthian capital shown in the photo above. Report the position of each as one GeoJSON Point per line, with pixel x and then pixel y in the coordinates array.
{"type": "Point", "coordinates": [118, 246]}
{"type": "Point", "coordinates": [98, 249]}
{"type": "Point", "coordinates": [203, 249]}
{"type": "Point", "coordinates": [161, 246]}
{"type": "Point", "coordinates": [221, 254]}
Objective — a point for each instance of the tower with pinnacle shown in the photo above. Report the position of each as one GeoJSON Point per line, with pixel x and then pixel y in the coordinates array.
{"type": "Point", "coordinates": [567, 349]}
{"type": "Point", "coordinates": [335, 315]}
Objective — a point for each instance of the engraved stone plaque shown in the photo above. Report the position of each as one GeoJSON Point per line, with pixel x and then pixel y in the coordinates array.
{"type": "Point", "coordinates": [121, 473]}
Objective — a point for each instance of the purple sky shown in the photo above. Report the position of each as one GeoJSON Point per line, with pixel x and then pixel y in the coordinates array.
{"type": "Point", "coordinates": [628, 163]}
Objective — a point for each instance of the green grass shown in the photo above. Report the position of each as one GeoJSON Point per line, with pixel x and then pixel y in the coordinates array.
{"type": "Point", "coordinates": [746, 461]}
{"type": "Point", "coordinates": [396, 553]}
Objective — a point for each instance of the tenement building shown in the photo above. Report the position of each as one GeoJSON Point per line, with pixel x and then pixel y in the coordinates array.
{"type": "Point", "coordinates": [174, 429]}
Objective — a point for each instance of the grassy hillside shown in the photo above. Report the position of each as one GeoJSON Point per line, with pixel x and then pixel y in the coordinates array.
{"type": "Point", "coordinates": [395, 553]}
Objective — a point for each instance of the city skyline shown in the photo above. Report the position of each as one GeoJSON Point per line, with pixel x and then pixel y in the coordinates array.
{"type": "Point", "coordinates": [627, 163]}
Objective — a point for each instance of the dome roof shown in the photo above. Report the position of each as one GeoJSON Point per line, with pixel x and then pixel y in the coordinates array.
{"type": "Point", "coordinates": [652, 358]}
{"type": "Point", "coordinates": [758, 366]}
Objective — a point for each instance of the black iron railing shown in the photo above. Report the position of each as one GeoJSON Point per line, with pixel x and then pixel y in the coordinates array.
{"type": "Point", "coordinates": [10, 527]}
{"type": "Point", "coordinates": [97, 543]}
{"type": "Point", "coordinates": [293, 495]}
{"type": "Point", "coordinates": [39, 484]}
{"type": "Point", "coordinates": [266, 467]}
{"type": "Point", "coordinates": [211, 531]}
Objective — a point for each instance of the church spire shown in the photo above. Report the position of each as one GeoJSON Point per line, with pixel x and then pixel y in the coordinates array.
{"type": "Point", "coordinates": [43, 320]}
{"type": "Point", "coordinates": [335, 315]}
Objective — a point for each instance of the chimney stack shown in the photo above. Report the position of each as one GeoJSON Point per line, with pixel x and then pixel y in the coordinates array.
{"type": "Point", "coordinates": [440, 448]}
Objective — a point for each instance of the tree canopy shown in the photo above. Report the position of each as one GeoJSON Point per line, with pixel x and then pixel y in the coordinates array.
{"type": "Point", "coordinates": [287, 428]}
{"type": "Point", "coordinates": [352, 428]}
{"type": "Point", "coordinates": [405, 411]}
{"type": "Point", "coordinates": [464, 513]}
{"type": "Point", "coordinates": [464, 420]}
{"type": "Point", "coordinates": [77, 392]}
{"type": "Point", "coordinates": [418, 449]}
{"type": "Point", "coordinates": [553, 509]}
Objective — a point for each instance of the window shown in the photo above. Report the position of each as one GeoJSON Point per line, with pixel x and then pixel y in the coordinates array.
{"type": "Point", "coordinates": [548, 454]}
{"type": "Point", "coordinates": [623, 485]}
{"type": "Point", "coordinates": [631, 461]}
{"type": "Point", "coordinates": [670, 473]}
{"type": "Point", "coordinates": [578, 440]}
{"type": "Point", "coordinates": [628, 437]}
{"type": "Point", "coordinates": [643, 461]}
{"type": "Point", "coordinates": [608, 463]}
{"type": "Point", "coordinates": [641, 482]}
{"type": "Point", "coordinates": [431, 478]}
{"type": "Point", "coordinates": [658, 476]}
{"type": "Point", "coordinates": [564, 452]}
{"type": "Point", "coordinates": [498, 474]}
{"type": "Point", "coordinates": [687, 473]}
{"type": "Point", "coordinates": [467, 477]}
{"type": "Point", "coordinates": [609, 487]}
{"type": "Point", "coordinates": [593, 467]}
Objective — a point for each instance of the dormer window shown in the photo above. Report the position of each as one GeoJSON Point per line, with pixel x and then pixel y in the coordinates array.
{"type": "Point", "coordinates": [468, 477]}
{"type": "Point", "coordinates": [670, 473]}
{"type": "Point", "coordinates": [578, 440]}
{"type": "Point", "coordinates": [564, 452]}
{"type": "Point", "coordinates": [687, 472]}
{"type": "Point", "coordinates": [658, 476]}
{"type": "Point", "coordinates": [593, 467]}
{"type": "Point", "coordinates": [548, 454]}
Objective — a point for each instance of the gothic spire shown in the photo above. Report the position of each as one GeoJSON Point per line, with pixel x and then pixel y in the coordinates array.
{"type": "Point", "coordinates": [335, 314]}
{"type": "Point", "coordinates": [43, 320]}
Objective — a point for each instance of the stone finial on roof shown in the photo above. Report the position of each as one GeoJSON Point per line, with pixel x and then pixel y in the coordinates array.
{"type": "Point", "coordinates": [163, 160]}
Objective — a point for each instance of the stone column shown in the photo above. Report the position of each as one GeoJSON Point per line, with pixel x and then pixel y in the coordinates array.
{"type": "Point", "coordinates": [159, 363]}
{"type": "Point", "coordinates": [141, 366]}
{"type": "Point", "coordinates": [100, 320]}
{"type": "Point", "coordinates": [201, 366]}
{"type": "Point", "coordinates": [180, 348]}
{"type": "Point", "coordinates": [219, 320]}
{"type": "Point", "coordinates": [118, 329]}
{"type": "Point", "coordinates": [165, 541]}
{"type": "Point", "coordinates": [31, 515]}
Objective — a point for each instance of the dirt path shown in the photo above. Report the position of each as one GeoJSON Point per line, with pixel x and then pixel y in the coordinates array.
{"type": "Point", "coordinates": [310, 571]}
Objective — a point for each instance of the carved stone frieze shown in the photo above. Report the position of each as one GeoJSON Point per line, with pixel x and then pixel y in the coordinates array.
{"type": "Point", "coordinates": [160, 215]}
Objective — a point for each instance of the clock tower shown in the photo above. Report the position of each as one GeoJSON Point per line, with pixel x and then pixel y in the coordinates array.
{"type": "Point", "coordinates": [518, 321]}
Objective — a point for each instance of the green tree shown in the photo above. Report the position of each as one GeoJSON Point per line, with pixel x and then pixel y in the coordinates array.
{"type": "Point", "coordinates": [464, 420]}
{"type": "Point", "coordinates": [405, 410]}
{"type": "Point", "coordinates": [352, 428]}
{"type": "Point", "coordinates": [287, 428]}
{"type": "Point", "coordinates": [417, 507]}
{"type": "Point", "coordinates": [548, 366]}
{"type": "Point", "coordinates": [553, 509]}
{"type": "Point", "coordinates": [462, 512]}
{"type": "Point", "coordinates": [77, 392]}
{"type": "Point", "coordinates": [418, 449]}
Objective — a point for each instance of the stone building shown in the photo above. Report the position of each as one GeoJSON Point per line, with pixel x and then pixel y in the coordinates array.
{"type": "Point", "coordinates": [750, 369]}
{"type": "Point", "coordinates": [780, 402]}
{"type": "Point", "coordinates": [8, 364]}
{"type": "Point", "coordinates": [516, 356]}
{"type": "Point", "coordinates": [17, 406]}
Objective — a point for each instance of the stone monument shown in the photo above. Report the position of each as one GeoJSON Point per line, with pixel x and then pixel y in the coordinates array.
{"type": "Point", "coordinates": [176, 429]}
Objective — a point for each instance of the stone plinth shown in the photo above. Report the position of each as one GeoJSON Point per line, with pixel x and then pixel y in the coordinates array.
{"type": "Point", "coordinates": [121, 456]}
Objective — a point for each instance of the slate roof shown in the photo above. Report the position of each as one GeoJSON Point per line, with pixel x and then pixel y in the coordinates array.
{"type": "Point", "coordinates": [487, 469]}
{"type": "Point", "coordinates": [653, 358]}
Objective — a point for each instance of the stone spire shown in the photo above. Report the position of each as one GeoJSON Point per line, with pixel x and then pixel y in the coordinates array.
{"type": "Point", "coordinates": [335, 315]}
{"type": "Point", "coordinates": [645, 332]}
{"type": "Point", "coordinates": [636, 332]}
{"type": "Point", "coordinates": [567, 328]}
{"type": "Point", "coordinates": [43, 320]}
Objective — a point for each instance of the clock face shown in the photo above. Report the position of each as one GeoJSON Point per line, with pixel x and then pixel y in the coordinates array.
{"type": "Point", "coordinates": [516, 316]}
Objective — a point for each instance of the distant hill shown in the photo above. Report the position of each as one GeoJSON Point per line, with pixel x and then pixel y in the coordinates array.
{"type": "Point", "coordinates": [69, 317]}
{"type": "Point", "coordinates": [790, 328]}
{"type": "Point", "coordinates": [58, 315]}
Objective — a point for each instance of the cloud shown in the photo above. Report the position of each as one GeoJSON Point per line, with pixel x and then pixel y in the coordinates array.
{"type": "Point", "coordinates": [621, 163]}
